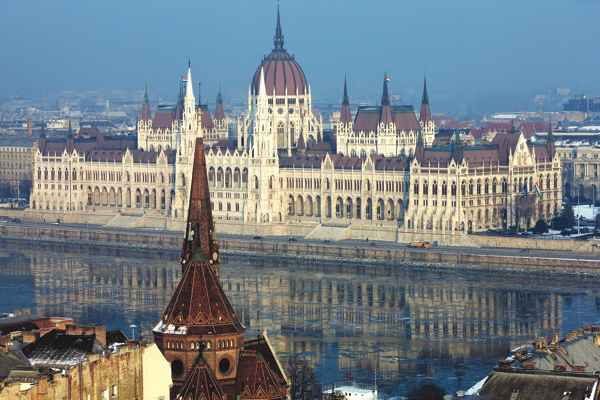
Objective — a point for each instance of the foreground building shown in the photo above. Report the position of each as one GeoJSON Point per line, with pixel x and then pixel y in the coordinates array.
{"type": "Point", "coordinates": [200, 333]}
{"type": "Point", "coordinates": [70, 361]}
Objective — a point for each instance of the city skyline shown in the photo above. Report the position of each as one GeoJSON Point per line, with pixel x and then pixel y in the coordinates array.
{"type": "Point", "coordinates": [469, 51]}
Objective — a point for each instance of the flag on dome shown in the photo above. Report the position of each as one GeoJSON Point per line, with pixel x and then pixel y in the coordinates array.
{"type": "Point", "coordinates": [388, 79]}
{"type": "Point", "coordinates": [184, 79]}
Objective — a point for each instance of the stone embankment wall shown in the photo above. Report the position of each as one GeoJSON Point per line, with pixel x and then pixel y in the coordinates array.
{"type": "Point", "coordinates": [438, 258]}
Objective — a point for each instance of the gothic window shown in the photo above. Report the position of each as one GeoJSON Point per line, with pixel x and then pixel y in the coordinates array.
{"type": "Point", "coordinates": [486, 187]}
{"type": "Point", "coordinates": [280, 135]}
{"type": "Point", "coordinates": [425, 188]}
{"type": "Point", "coordinates": [555, 181]}
{"type": "Point", "coordinates": [237, 207]}
{"type": "Point", "coordinates": [494, 186]}
{"type": "Point", "coordinates": [434, 188]}
{"type": "Point", "coordinates": [363, 153]}
{"type": "Point", "coordinates": [453, 188]}
{"type": "Point", "coordinates": [478, 187]}
{"type": "Point", "coordinates": [444, 189]}
{"type": "Point", "coordinates": [353, 153]}
{"type": "Point", "coordinates": [471, 187]}
{"type": "Point", "coordinates": [220, 206]}
{"type": "Point", "coordinates": [416, 187]}
{"type": "Point", "coordinates": [462, 188]}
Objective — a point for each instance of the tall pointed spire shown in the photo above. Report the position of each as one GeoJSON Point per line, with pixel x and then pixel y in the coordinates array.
{"type": "Point", "coordinates": [43, 131]}
{"type": "Point", "coordinates": [345, 99]}
{"type": "Point", "coordinates": [219, 112]}
{"type": "Point", "coordinates": [386, 113]}
{"type": "Point", "coordinates": [425, 115]}
{"type": "Point", "coordinates": [146, 116]}
{"type": "Point", "coordinates": [425, 98]}
{"type": "Point", "coordinates": [200, 243]}
{"type": "Point", "coordinates": [146, 100]}
{"type": "Point", "coordinates": [262, 91]}
{"type": "Point", "coordinates": [385, 97]}
{"type": "Point", "coordinates": [219, 97]}
{"type": "Point", "coordinates": [278, 35]}
{"type": "Point", "coordinates": [345, 118]}
{"type": "Point", "coordinates": [189, 89]}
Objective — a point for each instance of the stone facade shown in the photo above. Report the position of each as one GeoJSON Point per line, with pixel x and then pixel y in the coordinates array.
{"type": "Point", "coordinates": [16, 159]}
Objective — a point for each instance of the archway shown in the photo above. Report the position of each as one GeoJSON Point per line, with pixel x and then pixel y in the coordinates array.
{"type": "Point", "coordinates": [380, 209]}
{"type": "Point", "coordinates": [291, 205]}
{"type": "Point", "coordinates": [389, 210]}
{"type": "Point", "coordinates": [339, 207]}
{"type": "Point", "coordinates": [349, 208]}
{"type": "Point", "coordinates": [400, 210]}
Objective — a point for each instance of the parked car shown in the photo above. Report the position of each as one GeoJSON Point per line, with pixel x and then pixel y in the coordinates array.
{"type": "Point", "coordinates": [3, 221]}
{"type": "Point", "coordinates": [258, 237]}
{"type": "Point", "coordinates": [327, 241]}
{"type": "Point", "coordinates": [56, 223]}
{"type": "Point", "coordinates": [525, 251]}
{"type": "Point", "coordinates": [526, 234]}
{"type": "Point", "coordinates": [292, 240]}
{"type": "Point", "coordinates": [16, 220]}
{"type": "Point", "coordinates": [373, 244]}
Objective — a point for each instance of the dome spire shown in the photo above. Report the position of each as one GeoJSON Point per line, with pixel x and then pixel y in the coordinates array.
{"type": "Point", "coordinates": [278, 35]}
{"type": "Point", "coordinates": [219, 97]}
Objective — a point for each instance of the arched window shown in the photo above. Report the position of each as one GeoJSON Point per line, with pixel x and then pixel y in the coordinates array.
{"type": "Point", "coordinates": [425, 188]}
{"type": "Point", "coordinates": [478, 187]}
{"type": "Point", "coordinates": [416, 187]}
{"type": "Point", "coordinates": [494, 186]}
{"type": "Point", "coordinates": [434, 188]}
{"type": "Point", "coordinates": [486, 187]}
{"type": "Point", "coordinates": [444, 189]}
{"type": "Point", "coordinates": [462, 188]}
{"type": "Point", "coordinates": [471, 188]}
{"type": "Point", "coordinates": [453, 188]}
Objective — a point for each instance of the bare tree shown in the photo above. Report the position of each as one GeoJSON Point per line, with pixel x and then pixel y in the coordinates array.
{"type": "Point", "coordinates": [304, 381]}
{"type": "Point", "coordinates": [427, 391]}
{"type": "Point", "coordinates": [524, 210]}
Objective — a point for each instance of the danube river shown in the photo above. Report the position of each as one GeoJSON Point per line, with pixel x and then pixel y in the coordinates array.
{"type": "Point", "coordinates": [400, 324]}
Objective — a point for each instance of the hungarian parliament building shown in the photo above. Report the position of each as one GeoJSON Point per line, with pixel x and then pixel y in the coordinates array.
{"type": "Point", "coordinates": [377, 170]}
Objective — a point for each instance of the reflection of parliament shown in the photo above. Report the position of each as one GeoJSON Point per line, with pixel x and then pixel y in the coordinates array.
{"type": "Point", "coordinates": [379, 168]}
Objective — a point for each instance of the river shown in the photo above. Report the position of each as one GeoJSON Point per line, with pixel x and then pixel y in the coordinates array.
{"type": "Point", "coordinates": [403, 325]}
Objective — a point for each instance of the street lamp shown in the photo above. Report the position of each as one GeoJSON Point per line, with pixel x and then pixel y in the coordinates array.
{"type": "Point", "coordinates": [132, 326]}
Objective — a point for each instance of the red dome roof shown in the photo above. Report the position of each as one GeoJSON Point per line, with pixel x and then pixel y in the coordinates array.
{"type": "Point", "coordinates": [281, 70]}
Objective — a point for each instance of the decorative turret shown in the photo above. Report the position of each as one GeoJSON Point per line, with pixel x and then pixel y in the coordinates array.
{"type": "Point", "coordinates": [346, 117]}
{"type": "Point", "coordinates": [70, 139]}
{"type": "Point", "coordinates": [386, 113]}
{"type": "Point", "coordinates": [219, 113]}
{"type": "Point", "coordinates": [419, 149]}
{"type": "Point", "coordinates": [146, 116]}
{"type": "Point", "coordinates": [301, 145]}
{"type": "Point", "coordinates": [425, 116]}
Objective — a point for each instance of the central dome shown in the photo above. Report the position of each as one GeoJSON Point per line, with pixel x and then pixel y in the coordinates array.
{"type": "Point", "coordinates": [281, 70]}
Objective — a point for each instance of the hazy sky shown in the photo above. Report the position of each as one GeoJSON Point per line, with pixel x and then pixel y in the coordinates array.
{"type": "Point", "coordinates": [468, 48]}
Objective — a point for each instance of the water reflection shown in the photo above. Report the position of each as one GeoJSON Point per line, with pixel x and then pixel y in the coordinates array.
{"type": "Point", "coordinates": [350, 320]}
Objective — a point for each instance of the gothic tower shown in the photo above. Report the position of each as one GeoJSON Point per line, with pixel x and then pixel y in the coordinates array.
{"type": "Point", "coordinates": [199, 312]}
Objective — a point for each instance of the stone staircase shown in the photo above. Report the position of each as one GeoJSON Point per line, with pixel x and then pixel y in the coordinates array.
{"type": "Point", "coordinates": [327, 232]}
{"type": "Point", "coordinates": [124, 221]}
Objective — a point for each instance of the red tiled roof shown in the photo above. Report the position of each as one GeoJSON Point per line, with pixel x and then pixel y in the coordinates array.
{"type": "Point", "coordinates": [506, 144]}
{"type": "Point", "coordinates": [201, 384]}
{"type": "Point", "coordinates": [255, 379]}
{"type": "Point", "coordinates": [477, 133]}
{"type": "Point", "coordinates": [146, 115]}
{"type": "Point", "coordinates": [206, 122]}
{"type": "Point", "coordinates": [219, 113]}
{"type": "Point", "coordinates": [91, 132]}
{"type": "Point", "coordinates": [163, 119]}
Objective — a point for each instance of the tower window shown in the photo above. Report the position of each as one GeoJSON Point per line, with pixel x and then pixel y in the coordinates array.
{"type": "Point", "coordinates": [224, 365]}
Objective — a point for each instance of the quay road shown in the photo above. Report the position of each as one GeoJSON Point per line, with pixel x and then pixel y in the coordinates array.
{"type": "Point", "coordinates": [559, 254]}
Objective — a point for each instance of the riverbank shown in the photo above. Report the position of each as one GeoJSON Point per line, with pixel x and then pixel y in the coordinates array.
{"type": "Point", "coordinates": [439, 258]}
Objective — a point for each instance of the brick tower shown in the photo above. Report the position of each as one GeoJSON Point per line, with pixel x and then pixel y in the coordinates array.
{"type": "Point", "coordinates": [199, 332]}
